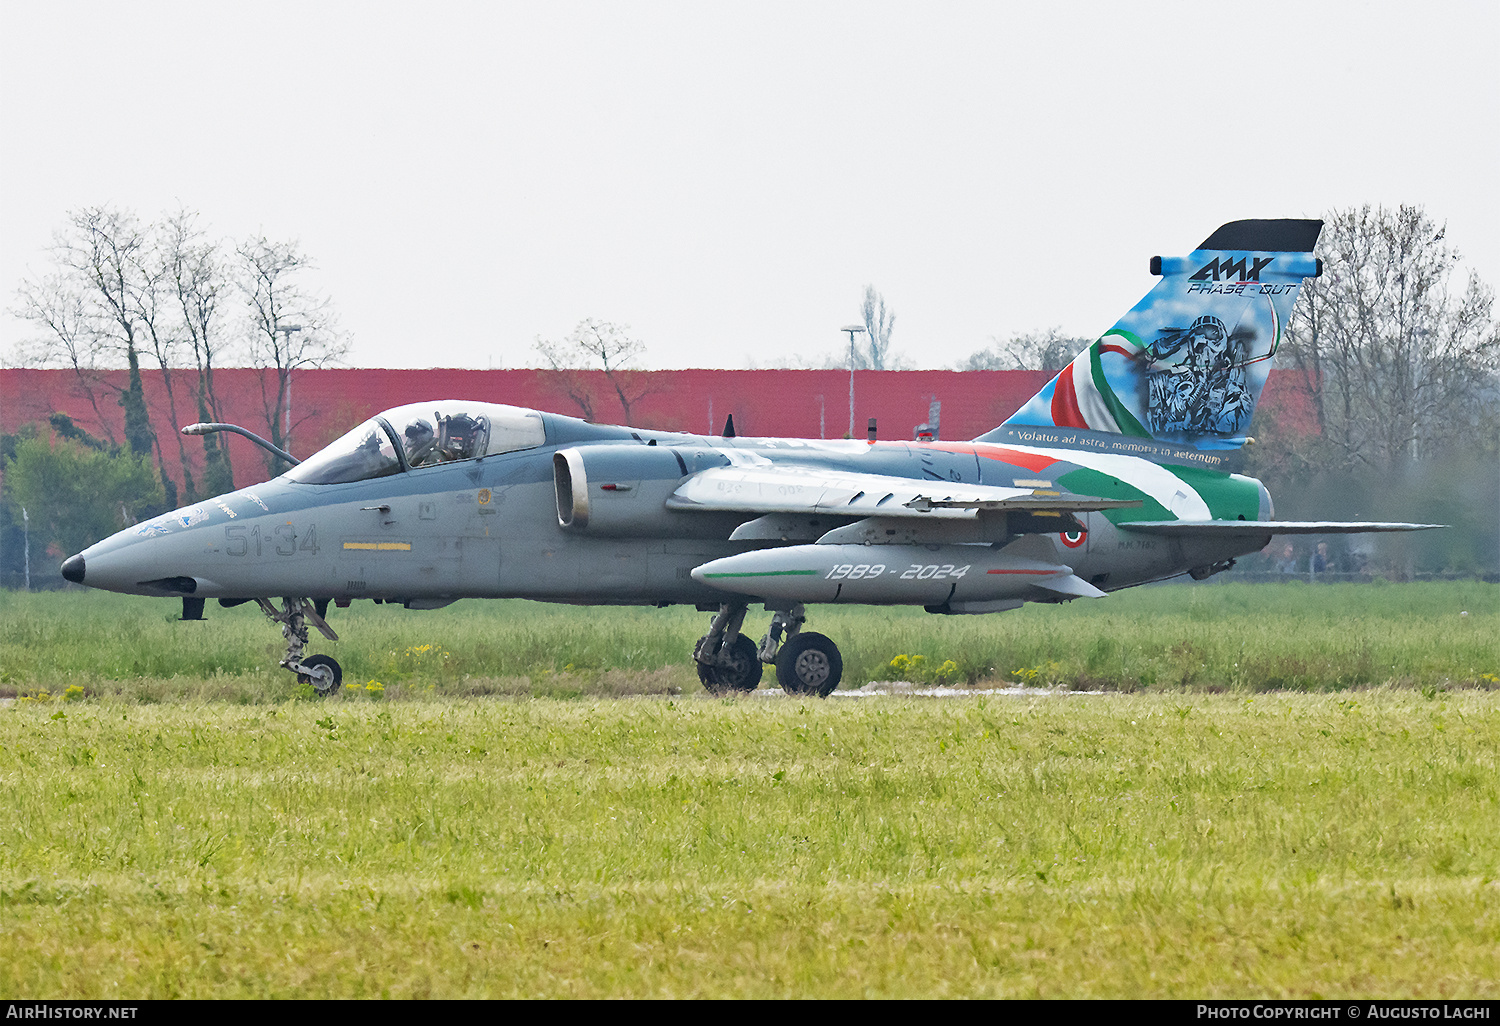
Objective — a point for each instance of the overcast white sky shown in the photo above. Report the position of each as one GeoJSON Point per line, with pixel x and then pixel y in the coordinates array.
{"type": "Point", "coordinates": [726, 178]}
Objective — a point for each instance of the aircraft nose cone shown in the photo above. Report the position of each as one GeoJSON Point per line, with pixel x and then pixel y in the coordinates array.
{"type": "Point", "coordinates": [72, 569]}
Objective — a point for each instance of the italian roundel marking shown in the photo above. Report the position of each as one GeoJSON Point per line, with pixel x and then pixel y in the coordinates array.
{"type": "Point", "coordinates": [1073, 539]}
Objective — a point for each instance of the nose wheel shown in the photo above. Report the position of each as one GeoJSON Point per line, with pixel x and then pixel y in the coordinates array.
{"type": "Point", "coordinates": [322, 672]}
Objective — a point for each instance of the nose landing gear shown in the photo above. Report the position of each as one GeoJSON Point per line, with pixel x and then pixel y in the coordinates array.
{"type": "Point", "coordinates": [321, 671]}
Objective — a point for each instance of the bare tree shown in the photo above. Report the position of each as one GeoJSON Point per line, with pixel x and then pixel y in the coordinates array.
{"type": "Point", "coordinates": [104, 250]}
{"type": "Point", "coordinates": [1399, 359]}
{"type": "Point", "coordinates": [91, 307]}
{"type": "Point", "coordinates": [1048, 350]}
{"type": "Point", "coordinates": [58, 305]}
{"type": "Point", "coordinates": [597, 345]}
{"type": "Point", "coordinates": [879, 323]}
{"type": "Point", "coordinates": [121, 291]}
{"type": "Point", "coordinates": [289, 328]}
{"type": "Point", "coordinates": [156, 313]}
{"type": "Point", "coordinates": [198, 281]}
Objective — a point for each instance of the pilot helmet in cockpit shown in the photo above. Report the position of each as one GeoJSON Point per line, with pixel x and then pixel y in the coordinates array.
{"type": "Point", "coordinates": [418, 441]}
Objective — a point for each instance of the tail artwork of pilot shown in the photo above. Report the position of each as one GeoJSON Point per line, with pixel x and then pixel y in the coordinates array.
{"type": "Point", "coordinates": [1113, 475]}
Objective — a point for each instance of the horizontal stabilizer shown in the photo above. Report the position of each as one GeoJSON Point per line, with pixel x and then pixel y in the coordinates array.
{"type": "Point", "coordinates": [1224, 528]}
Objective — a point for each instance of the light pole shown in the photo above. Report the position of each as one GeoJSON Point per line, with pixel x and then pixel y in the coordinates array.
{"type": "Point", "coordinates": [852, 329]}
{"type": "Point", "coordinates": [286, 331]}
{"type": "Point", "coordinates": [26, 544]}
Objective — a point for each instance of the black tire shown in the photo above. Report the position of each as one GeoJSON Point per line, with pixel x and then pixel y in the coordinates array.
{"type": "Point", "coordinates": [809, 664]}
{"type": "Point", "coordinates": [739, 670]}
{"type": "Point", "coordinates": [322, 683]}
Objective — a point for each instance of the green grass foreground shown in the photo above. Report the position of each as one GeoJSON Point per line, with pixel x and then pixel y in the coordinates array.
{"type": "Point", "coordinates": [1236, 637]}
{"type": "Point", "coordinates": [1105, 846]}
{"type": "Point", "coordinates": [1288, 790]}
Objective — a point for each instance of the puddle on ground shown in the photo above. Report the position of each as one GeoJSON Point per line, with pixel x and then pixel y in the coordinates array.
{"type": "Point", "coordinates": [902, 688]}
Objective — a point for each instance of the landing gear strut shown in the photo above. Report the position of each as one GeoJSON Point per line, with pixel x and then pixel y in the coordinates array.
{"type": "Point", "coordinates": [807, 663]}
{"type": "Point", "coordinates": [726, 658]}
{"type": "Point", "coordinates": [321, 671]}
{"type": "Point", "coordinates": [789, 621]}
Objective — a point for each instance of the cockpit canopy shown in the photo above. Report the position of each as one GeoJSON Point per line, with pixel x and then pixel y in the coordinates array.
{"type": "Point", "coordinates": [422, 435]}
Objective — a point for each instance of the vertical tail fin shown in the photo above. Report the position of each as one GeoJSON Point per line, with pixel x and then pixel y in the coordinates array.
{"type": "Point", "coordinates": [1188, 362]}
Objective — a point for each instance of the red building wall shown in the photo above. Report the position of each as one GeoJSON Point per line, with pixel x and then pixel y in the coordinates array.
{"type": "Point", "coordinates": [786, 403]}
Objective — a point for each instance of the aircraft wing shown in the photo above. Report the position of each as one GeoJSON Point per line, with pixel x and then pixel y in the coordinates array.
{"type": "Point", "coordinates": [783, 488]}
{"type": "Point", "coordinates": [1225, 528]}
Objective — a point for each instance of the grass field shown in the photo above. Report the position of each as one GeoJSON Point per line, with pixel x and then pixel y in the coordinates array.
{"type": "Point", "coordinates": [1110, 845]}
{"type": "Point", "coordinates": [180, 821]}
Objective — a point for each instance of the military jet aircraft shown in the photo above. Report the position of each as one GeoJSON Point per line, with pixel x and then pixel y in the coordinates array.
{"type": "Point", "coordinates": [1114, 475]}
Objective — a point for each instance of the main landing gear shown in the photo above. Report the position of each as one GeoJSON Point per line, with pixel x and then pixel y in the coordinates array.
{"type": "Point", "coordinates": [321, 671]}
{"type": "Point", "coordinates": [807, 663]}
